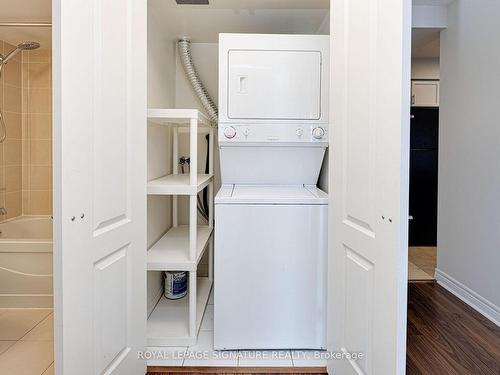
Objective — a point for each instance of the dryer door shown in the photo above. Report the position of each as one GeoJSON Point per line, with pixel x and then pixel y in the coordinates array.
{"type": "Point", "coordinates": [279, 85]}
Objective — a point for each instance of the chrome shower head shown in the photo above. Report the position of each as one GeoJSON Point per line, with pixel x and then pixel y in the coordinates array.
{"type": "Point", "coordinates": [27, 46]}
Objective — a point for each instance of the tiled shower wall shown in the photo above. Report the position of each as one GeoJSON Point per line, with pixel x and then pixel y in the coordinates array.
{"type": "Point", "coordinates": [26, 154]}
{"type": "Point", "coordinates": [37, 132]}
{"type": "Point", "coordinates": [11, 148]}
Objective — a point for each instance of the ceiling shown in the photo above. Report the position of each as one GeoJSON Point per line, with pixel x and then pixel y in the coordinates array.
{"type": "Point", "coordinates": [174, 21]}
{"type": "Point", "coordinates": [238, 16]}
{"type": "Point", "coordinates": [432, 2]}
{"type": "Point", "coordinates": [30, 11]}
{"type": "Point", "coordinates": [425, 43]}
{"type": "Point", "coordinates": [254, 4]}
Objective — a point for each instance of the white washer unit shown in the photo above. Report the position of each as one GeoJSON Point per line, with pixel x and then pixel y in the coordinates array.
{"type": "Point", "coordinates": [270, 218]}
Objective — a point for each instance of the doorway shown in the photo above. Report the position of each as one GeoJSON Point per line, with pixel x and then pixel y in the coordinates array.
{"type": "Point", "coordinates": [26, 277]}
{"type": "Point", "coordinates": [424, 148]}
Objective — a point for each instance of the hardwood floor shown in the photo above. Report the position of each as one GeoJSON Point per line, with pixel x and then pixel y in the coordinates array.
{"type": "Point", "coordinates": [446, 336]}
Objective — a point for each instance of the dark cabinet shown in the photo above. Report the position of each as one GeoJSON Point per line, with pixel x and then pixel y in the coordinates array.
{"type": "Point", "coordinates": [423, 176]}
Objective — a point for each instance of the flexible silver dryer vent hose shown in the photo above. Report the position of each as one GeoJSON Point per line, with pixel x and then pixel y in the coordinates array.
{"type": "Point", "coordinates": [184, 46]}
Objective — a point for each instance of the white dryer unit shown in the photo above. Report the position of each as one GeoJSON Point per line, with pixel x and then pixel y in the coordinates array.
{"type": "Point", "coordinates": [270, 219]}
{"type": "Point", "coordinates": [273, 108]}
{"type": "Point", "coordinates": [273, 78]}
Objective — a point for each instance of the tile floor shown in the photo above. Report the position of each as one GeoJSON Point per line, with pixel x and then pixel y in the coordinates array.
{"type": "Point", "coordinates": [26, 347]}
{"type": "Point", "coordinates": [203, 353]}
{"type": "Point", "coordinates": [26, 341]}
{"type": "Point", "coordinates": [421, 263]}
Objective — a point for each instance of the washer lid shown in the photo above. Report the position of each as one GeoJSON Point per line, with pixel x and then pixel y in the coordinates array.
{"type": "Point", "coordinates": [271, 194]}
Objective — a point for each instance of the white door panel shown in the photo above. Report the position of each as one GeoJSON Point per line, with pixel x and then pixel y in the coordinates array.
{"type": "Point", "coordinates": [368, 219]}
{"type": "Point", "coordinates": [99, 181]}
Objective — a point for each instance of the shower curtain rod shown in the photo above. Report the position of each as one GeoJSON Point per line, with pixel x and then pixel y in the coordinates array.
{"type": "Point", "coordinates": [26, 24]}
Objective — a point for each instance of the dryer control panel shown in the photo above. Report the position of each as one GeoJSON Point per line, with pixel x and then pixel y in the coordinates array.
{"type": "Point", "coordinates": [277, 133]}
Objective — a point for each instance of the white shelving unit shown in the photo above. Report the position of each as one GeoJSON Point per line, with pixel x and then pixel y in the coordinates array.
{"type": "Point", "coordinates": [177, 322]}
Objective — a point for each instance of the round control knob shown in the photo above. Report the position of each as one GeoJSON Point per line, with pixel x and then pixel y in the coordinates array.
{"type": "Point", "coordinates": [318, 132]}
{"type": "Point", "coordinates": [299, 132]}
{"type": "Point", "coordinates": [230, 132]}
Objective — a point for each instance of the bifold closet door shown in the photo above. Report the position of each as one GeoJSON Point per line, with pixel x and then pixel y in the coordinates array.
{"type": "Point", "coordinates": [368, 219]}
{"type": "Point", "coordinates": [99, 69]}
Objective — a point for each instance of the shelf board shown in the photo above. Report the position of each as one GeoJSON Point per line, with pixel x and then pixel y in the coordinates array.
{"type": "Point", "coordinates": [171, 252]}
{"type": "Point", "coordinates": [178, 184]}
{"type": "Point", "coordinates": [169, 116]}
{"type": "Point", "coordinates": [168, 324]}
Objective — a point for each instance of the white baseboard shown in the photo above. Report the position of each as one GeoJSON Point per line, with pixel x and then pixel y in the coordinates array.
{"type": "Point", "coordinates": [33, 301]}
{"type": "Point", "coordinates": [474, 300]}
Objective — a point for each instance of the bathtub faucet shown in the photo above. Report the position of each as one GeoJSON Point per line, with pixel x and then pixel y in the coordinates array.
{"type": "Point", "coordinates": [3, 211]}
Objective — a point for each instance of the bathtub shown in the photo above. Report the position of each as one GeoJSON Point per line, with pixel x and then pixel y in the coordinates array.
{"type": "Point", "coordinates": [26, 262]}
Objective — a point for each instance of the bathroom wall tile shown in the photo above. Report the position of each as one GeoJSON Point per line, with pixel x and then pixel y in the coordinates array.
{"type": "Point", "coordinates": [2, 204]}
{"type": "Point", "coordinates": [12, 99]}
{"type": "Point", "coordinates": [2, 179]}
{"type": "Point", "coordinates": [39, 177]}
{"type": "Point", "coordinates": [25, 151]}
{"type": "Point", "coordinates": [39, 125]}
{"type": "Point", "coordinates": [13, 204]}
{"type": "Point", "coordinates": [39, 100]}
{"type": "Point", "coordinates": [1, 91]}
{"type": "Point", "coordinates": [13, 179]}
{"type": "Point", "coordinates": [1, 153]}
{"type": "Point", "coordinates": [26, 177]}
{"type": "Point", "coordinates": [12, 152]}
{"type": "Point", "coordinates": [25, 74]}
{"type": "Point", "coordinates": [25, 56]}
{"type": "Point", "coordinates": [7, 47]}
{"type": "Point", "coordinates": [12, 73]}
{"type": "Point", "coordinates": [40, 152]}
{"type": "Point", "coordinates": [40, 55]}
{"type": "Point", "coordinates": [36, 132]}
{"type": "Point", "coordinates": [40, 202]}
{"type": "Point", "coordinates": [51, 203]}
{"type": "Point", "coordinates": [13, 123]}
{"type": "Point", "coordinates": [26, 201]}
{"type": "Point", "coordinates": [39, 75]}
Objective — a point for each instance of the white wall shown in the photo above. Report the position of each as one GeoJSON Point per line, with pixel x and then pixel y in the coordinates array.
{"type": "Point", "coordinates": [469, 149]}
{"type": "Point", "coordinates": [425, 68]}
{"type": "Point", "coordinates": [161, 94]}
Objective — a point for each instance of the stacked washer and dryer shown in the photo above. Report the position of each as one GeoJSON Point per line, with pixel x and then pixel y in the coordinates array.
{"type": "Point", "coordinates": [270, 217]}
